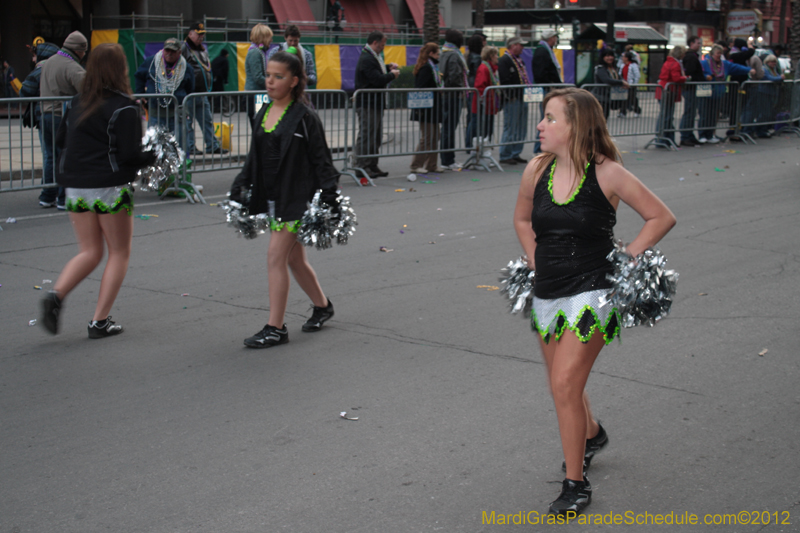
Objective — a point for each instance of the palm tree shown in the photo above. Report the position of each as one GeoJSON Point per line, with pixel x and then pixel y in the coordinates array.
{"type": "Point", "coordinates": [430, 26]}
{"type": "Point", "coordinates": [794, 45]}
{"type": "Point", "coordinates": [480, 13]}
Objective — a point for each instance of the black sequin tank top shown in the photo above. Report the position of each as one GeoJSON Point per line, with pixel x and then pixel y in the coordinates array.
{"type": "Point", "coordinates": [573, 239]}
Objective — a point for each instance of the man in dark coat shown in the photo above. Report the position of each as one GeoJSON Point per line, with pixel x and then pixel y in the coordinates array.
{"type": "Point", "coordinates": [545, 69]}
{"type": "Point", "coordinates": [196, 56]}
{"type": "Point", "coordinates": [371, 73]}
{"type": "Point", "coordinates": [512, 71]}
{"type": "Point", "coordinates": [693, 69]}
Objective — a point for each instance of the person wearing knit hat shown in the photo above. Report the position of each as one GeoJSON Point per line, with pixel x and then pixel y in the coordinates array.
{"type": "Point", "coordinates": [76, 42]}
{"type": "Point", "coordinates": [62, 75]}
{"type": "Point", "coordinates": [30, 87]}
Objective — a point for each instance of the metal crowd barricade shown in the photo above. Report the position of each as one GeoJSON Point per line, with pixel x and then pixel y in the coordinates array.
{"type": "Point", "coordinates": [687, 107]}
{"type": "Point", "coordinates": [164, 110]}
{"type": "Point", "coordinates": [765, 105]}
{"type": "Point", "coordinates": [794, 106]}
{"type": "Point", "coordinates": [384, 123]}
{"type": "Point", "coordinates": [629, 111]}
{"type": "Point", "coordinates": [229, 121]}
{"type": "Point", "coordinates": [21, 154]}
{"type": "Point", "coordinates": [518, 112]}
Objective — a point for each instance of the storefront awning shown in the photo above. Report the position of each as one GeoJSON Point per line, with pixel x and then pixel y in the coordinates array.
{"type": "Point", "coordinates": [638, 34]}
{"type": "Point", "coordinates": [368, 15]}
{"type": "Point", "coordinates": [417, 8]}
{"type": "Point", "coordinates": [294, 11]}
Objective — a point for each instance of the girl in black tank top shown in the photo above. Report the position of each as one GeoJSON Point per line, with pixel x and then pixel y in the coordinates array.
{"type": "Point", "coordinates": [567, 243]}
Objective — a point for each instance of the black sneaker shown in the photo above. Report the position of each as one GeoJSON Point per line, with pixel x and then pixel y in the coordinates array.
{"type": "Point", "coordinates": [320, 316]}
{"type": "Point", "coordinates": [518, 159]}
{"type": "Point", "coordinates": [99, 329]}
{"type": "Point", "coordinates": [593, 447]}
{"type": "Point", "coordinates": [269, 336]}
{"type": "Point", "coordinates": [575, 497]}
{"type": "Point", "coordinates": [51, 308]}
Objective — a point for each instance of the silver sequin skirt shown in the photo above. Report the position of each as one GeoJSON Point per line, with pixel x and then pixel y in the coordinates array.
{"type": "Point", "coordinates": [104, 200]}
{"type": "Point", "coordinates": [581, 313]}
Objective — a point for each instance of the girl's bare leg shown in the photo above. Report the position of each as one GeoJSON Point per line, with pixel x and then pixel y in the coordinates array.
{"type": "Point", "coordinates": [90, 242]}
{"type": "Point", "coordinates": [118, 232]}
{"type": "Point", "coordinates": [305, 275]}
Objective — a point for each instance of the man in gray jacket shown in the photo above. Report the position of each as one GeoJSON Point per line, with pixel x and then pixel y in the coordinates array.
{"type": "Point", "coordinates": [453, 67]}
{"type": "Point", "coordinates": [292, 36]}
{"type": "Point", "coordinates": [62, 75]}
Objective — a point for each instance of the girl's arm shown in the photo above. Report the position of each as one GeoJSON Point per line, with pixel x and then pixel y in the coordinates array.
{"type": "Point", "coordinates": [658, 219]}
{"type": "Point", "coordinates": [522, 212]}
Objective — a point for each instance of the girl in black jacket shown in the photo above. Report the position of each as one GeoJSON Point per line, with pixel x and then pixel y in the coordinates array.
{"type": "Point", "coordinates": [100, 138]}
{"type": "Point", "coordinates": [288, 161]}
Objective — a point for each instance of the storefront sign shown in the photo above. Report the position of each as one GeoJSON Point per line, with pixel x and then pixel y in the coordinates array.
{"type": "Point", "coordinates": [741, 23]}
{"type": "Point", "coordinates": [677, 34]}
{"type": "Point", "coordinates": [706, 35]}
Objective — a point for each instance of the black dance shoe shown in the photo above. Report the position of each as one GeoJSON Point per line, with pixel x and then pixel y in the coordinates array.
{"type": "Point", "coordinates": [268, 336]}
{"type": "Point", "coordinates": [575, 497]}
{"type": "Point", "coordinates": [99, 329]}
{"type": "Point", "coordinates": [51, 308]}
{"type": "Point", "coordinates": [319, 317]}
{"type": "Point", "coordinates": [593, 447]}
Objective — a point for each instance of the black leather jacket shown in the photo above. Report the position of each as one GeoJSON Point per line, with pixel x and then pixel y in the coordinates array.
{"type": "Point", "coordinates": [305, 166]}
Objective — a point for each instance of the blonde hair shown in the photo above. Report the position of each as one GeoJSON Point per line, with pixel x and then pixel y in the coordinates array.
{"type": "Point", "coordinates": [261, 34]}
{"type": "Point", "coordinates": [716, 48]}
{"type": "Point", "coordinates": [488, 51]}
{"type": "Point", "coordinates": [678, 52]}
{"type": "Point", "coordinates": [589, 137]}
{"type": "Point", "coordinates": [770, 58]}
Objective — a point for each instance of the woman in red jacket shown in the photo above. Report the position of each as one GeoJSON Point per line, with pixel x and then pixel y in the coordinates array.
{"type": "Point", "coordinates": [486, 76]}
{"type": "Point", "coordinates": [671, 72]}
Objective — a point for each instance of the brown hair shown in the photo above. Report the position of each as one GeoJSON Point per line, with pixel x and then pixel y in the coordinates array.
{"type": "Point", "coordinates": [424, 55]}
{"type": "Point", "coordinates": [292, 31]}
{"type": "Point", "coordinates": [589, 137]}
{"type": "Point", "coordinates": [107, 68]}
{"type": "Point", "coordinates": [295, 68]}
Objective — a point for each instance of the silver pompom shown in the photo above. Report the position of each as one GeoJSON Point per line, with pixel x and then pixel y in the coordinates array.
{"type": "Point", "coordinates": [321, 224]}
{"type": "Point", "coordinates": [169, 159]}
{"type": "Point", "coordinates": [246, 225]}
{"type": "Point", "coordinates": [517, 284]}
{"type": "Point", "coordinates": [643, 288]}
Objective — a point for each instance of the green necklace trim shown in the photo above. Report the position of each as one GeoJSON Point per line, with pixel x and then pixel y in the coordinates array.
{"type": "Point", "coordinates": [292, 226]}
{"type": "Point", "coordinates": [123, 201]}
{"type": "Point", "coordinates": [264, 122]}
{"type": "Point", "coordinates": [574, 194]}
{"type": "Point", "coordinates": [608, 333]}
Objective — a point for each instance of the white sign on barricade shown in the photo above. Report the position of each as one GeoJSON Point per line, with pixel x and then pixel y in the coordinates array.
{"type": "Point", "coordinates": [619, 93]}
{"type": "Point", "coordinates": [533, 94]}
{"type": "Point", "coordinates": [420, 100]}
{"type": "Point", "coordinates": [703, 91]}
{"type": "Point", "coordinates": [261, 99]}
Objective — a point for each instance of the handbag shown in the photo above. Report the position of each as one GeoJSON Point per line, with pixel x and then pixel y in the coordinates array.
{"type": "Point", "coordinates": [27, 117]}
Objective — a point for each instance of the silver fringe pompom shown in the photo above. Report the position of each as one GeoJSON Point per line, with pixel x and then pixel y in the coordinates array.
{"type": "Point", "coordinates": [169, 159]}
{"type": "Point", "coordinates": [321, 225]}
{"type": "Point", "coordinates": [643, 288]}
{"type": "Point", "coordinates": [517, 284]}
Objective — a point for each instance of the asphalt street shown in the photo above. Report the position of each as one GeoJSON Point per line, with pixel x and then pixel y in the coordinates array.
{"type": "Point", "coordinates": [175, 426]}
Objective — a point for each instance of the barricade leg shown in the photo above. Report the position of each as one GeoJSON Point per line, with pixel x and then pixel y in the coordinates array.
{"type": "Point", "coordinates": [50, 195]}
{"type": "Point", "coordinates": [453, 103]}
{"type": "Point", "coordinates": [665, 123]}
{"type": "Point", "coordinates": [368, 141]}
{"type": "Point", "coordinates": [428, 141]}
{"type": "Point", "coordinates": [689, 113]}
